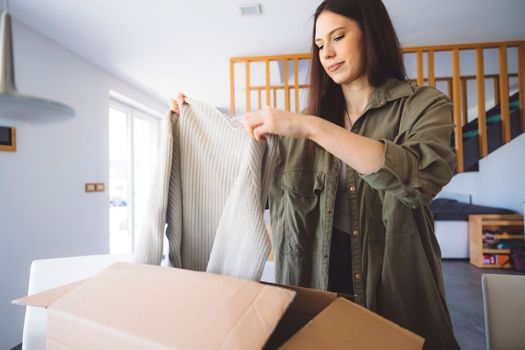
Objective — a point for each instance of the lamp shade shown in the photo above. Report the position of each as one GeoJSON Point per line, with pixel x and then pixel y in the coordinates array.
{"type": "Point", "coordinates": [16, 108]}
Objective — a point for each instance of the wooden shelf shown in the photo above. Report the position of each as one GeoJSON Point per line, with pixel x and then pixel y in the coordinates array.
{"type": "Point", "coordinates": [496, 251]}
{"type": "Point", "coordinates": [478, 224]}
{"type": "Point", "coordinates": [506, 236]}
{"type": "Point", "coordinates": [502, 223]}
{"type": "Point", "coordinates": [506, 266]}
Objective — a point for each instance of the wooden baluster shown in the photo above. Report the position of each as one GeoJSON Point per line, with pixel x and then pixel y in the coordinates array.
{"type": "Point", "coordinates": [248, 89]}
{"type": "Point", "coordinates": [521, 82]}
{"type": "Point", "coordinates": [504, 94]}
{"type": "Point", "coordinates": [232, 86]}
{"type": "Point", "coordinates": [464, 101]}
{"type": "Point", "coordinates": [420, 77]}
{"type": "Point", "coordinates": [275, 96]}
{"type": "Point", "coordinates": [259, 98]}
{"type": "Point", "coordinates": [495, 81]}
{"type": "Point", "coordinates": [431, 69]}
{"type": "Point", "coordinates": [286, 87]}
{"type": "Point", "coordinates": [296, 83]}
{"type": "Point", "coordinates": [482, 114]}
{"type": "Point", "coordinates": [449, 88]}
{"type": "Point", "coordinates": [268, 82]}
{"type": "Point", "coordinates": [456, 93]}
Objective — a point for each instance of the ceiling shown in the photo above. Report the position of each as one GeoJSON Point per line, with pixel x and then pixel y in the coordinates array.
{"type": "Point", "coordinates": [165, 46]}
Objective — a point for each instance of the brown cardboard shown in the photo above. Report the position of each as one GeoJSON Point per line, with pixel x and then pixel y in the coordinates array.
{"type": "Point", "coordinates": [132, 306]}
{"type": "Point", "coordinates": [307, 304]}
{"type": "Point", "coordinates": [44, 299]}
{"type": "Point", "coordinates": [346, 325]}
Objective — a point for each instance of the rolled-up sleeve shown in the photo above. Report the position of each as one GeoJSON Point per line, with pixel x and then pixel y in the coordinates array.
{"type": "Point", "coordinates": [418, 162]}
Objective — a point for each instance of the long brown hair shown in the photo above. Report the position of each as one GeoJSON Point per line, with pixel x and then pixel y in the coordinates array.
{"type": "Point", "coordinates": [382, 55]}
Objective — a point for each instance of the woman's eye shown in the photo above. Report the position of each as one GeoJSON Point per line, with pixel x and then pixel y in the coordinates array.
{"type": "Point", "coordinates": [320, 47]}
{"type": "Point", "coordinates": [337, 38]}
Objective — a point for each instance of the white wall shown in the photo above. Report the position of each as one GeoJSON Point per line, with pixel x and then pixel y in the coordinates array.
{"type": "Point", "coordinates": [44, 211]}
{"type": "Point", "coordinates": [500, 181]}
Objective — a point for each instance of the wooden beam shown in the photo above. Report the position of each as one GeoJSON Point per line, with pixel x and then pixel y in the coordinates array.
{"type": "Point", "coordinates": [469, 46]}
{"type": "Point", "coordinates": [419, 59]}
{"type": "Point", "coordinates": [248, 95]}
{"type": "Point", "coordinates": [232, 87]}
{"type": "Point", "coordinates": [464, 101]}
{"type": "Point", "coordinates": [431, 69]}
{"type": "Point", "coordinates": [495, 81]}
{"type": "Point", "coordinates": [296, 83]}
{"type": "Point", "coordinates": [456, 99]}
{"type": "Point", "coordinates": [521, 82]}
{"type": "Point", "coordinates": [267, 82]}
{"type": "Point", "coordinates": [482, 114]}
{"type": "Point", "coordinates": [504, 94]}
{"type": "Point", "coordinates": [286, 87]}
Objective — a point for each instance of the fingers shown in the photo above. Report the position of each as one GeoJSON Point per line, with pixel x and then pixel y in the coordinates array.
{"type": "Point", "coordinates": [174, 106]}
{"type": "Point", "coordinates": [259, 133]}
{"type": "Point", "coordinates": [179, 100]}
{"type": "Point", "coordinates": [257, 124]}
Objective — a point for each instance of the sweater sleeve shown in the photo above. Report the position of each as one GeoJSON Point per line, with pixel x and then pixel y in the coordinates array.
{"type": "Point", "coordinates": [418, 162]}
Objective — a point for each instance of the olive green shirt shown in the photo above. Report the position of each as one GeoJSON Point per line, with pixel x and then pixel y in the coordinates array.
{"type": "Point", "coordinates": [395, 254]}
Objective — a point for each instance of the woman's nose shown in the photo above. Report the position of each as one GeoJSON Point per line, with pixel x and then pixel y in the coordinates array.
{"type": "Point", "coordinates": [328, 51]}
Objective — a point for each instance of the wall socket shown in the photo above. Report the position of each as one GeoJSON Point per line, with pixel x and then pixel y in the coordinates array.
{"type": "Point", "coordinates": [94, 187]}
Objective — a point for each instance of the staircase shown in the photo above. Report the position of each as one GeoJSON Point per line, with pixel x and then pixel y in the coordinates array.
{"type": "Point", "coordinates": [471, 140]}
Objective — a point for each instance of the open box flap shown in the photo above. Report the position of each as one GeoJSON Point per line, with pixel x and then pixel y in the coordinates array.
{"type": "Point", "coordinates": [46, 298]}
{"type": "Point", "coordinates": [127, 304]}
{"type": "Point", "coordinates": [346, 325]}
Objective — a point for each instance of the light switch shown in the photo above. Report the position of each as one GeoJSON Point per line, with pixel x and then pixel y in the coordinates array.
{"type": "Point", "coordinates": [99, 187]}
{"type": "Point", "coordinates": [90, 187]}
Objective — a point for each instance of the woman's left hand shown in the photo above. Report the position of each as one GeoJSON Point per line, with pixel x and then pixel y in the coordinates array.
{"type": "Point", "coordinates": [276, 121]}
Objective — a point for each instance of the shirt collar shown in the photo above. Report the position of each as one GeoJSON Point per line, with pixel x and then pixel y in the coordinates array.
{"type": "Point", "coordinates": [390, 90]}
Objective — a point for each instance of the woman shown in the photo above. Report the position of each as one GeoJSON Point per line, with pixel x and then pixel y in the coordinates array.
{"type": "Point", "coordinates": [356, 172]}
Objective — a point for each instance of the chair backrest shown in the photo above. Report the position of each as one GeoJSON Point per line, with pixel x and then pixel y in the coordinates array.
{"type": "Point", "coordinates": [504, 309]}
{"type": "Point", "coordinates": [49, 273]}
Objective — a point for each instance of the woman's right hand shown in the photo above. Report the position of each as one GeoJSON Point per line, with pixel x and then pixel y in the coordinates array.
{"type": "Point", "coordinates": [176, 102]}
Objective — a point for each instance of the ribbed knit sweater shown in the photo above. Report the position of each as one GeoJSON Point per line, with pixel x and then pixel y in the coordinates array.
{"type": "Point", "coordinates": [210, 190]}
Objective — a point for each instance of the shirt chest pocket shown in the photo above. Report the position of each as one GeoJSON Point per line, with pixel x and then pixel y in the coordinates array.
{"type": "Point", "coordinates": [303, 194]}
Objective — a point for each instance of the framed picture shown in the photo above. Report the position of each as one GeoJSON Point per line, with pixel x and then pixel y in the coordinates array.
{"type": "Point", "coordinates": [7, 139]}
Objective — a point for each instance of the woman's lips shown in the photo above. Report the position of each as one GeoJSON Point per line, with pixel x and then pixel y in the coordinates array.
{"type": "Point", "coordinates": [334, 67]}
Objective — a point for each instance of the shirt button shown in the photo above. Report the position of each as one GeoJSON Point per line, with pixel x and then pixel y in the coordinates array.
{"type": "Point", "coordinates": [357, 276]}
{"type": "Point", "coordinates": [329, 212]}
{"type": "Point", "coordinates": [326, 256]}
{"type": "Point", "coordinates": [355, 232]}
{"type": "Point", "coordinates": [352, 188]}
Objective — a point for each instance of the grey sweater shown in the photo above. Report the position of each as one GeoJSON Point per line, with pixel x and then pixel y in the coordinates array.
{"type": "Point", "coordinates": [210, 190]}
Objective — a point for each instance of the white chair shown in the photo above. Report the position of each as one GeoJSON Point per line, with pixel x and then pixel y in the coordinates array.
{"type": "Point", "coordinates": [50, 273]}
{"type": "Point", "coordinates": [504, 309]}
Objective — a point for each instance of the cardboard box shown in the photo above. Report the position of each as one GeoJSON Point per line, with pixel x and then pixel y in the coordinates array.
{"type": "Point", "coordinates": [133, 306]}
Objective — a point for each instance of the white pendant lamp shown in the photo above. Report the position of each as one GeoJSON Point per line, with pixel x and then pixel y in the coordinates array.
{"type": "Point", "coordinates": [15, 108]}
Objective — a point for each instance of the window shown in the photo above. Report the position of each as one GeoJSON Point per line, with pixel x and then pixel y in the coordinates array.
{"type": "Point", "coordinates": [133, 144]}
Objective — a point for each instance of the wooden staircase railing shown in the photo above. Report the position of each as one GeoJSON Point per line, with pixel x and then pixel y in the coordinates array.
{"type": "Point", "coordinates": [456, 85]}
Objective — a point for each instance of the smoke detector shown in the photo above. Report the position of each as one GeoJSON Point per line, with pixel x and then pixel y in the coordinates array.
{"type": "Point", "coordinates": [250, 9]}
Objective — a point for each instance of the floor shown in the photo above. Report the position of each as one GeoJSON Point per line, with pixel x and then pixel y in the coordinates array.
{"type": "Point", "coordinates": [465, 301]}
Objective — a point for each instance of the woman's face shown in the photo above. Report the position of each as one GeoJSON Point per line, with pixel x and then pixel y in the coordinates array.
{"type": "Point", "coordinates": [340, 47]}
